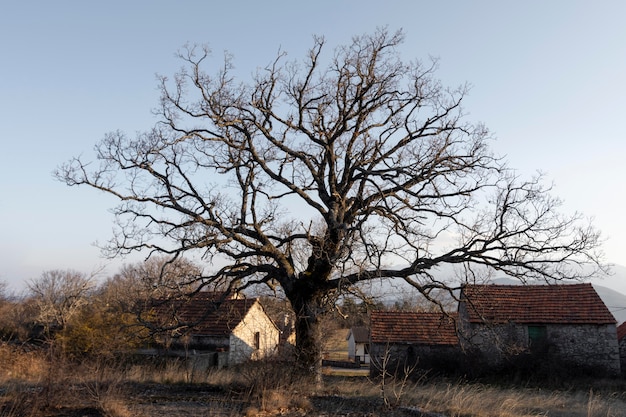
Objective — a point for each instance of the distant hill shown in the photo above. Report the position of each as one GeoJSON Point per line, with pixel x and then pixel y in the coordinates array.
{"type": "Point", "coordinates": [615, 281]}
{"type": "Point", "coordinates": [614, 300]}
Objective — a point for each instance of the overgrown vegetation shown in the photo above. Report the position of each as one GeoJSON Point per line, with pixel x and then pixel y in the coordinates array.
{"type": "Point", "coordinates": [37, 383]}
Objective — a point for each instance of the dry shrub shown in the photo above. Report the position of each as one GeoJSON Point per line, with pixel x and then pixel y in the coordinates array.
{"type": "Point", "coordinates": [274, 386]}
{"type": "Point", "coordinates": [252, 411]}
{"type": "Point", "coordinates": [18, 401]}
{"type": "Point", "coordinates": [102, 386]}
{"type": "Point", "coordinates": [42, 381]}
{"type": "Point", "coordinates": [177, 371]}
{"type": "Point", "coordinates": [20, 364]}
{"type": "Point", "coordinates": [113, 406]}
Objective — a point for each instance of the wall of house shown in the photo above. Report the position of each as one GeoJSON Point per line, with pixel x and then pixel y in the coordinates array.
{"type": "Point", "coordinates": [590, 345]}
{"type": "Point", "coordinates": [242, 341]}
{"type": "Point", "coordinates": [360, 352]}
{"type": "Point", "coordinates": [622, 355]}
{"type": "Point", "coordinates": [399, 358]}
{"type": "Point", "coordinates": [593, 346]}
{"type": "Point", "coordinates": [351, 347]}
{"type": "Point", "coordinates": [493, 341]}
{"type": "Point", "coordinates": [202, 342]}
{"type": "Point", "coordinates": [357, 349]}
{"type": "Point", "coordinates": [387, 357]}
{"type": "Point", "coordinates": [203, 361]}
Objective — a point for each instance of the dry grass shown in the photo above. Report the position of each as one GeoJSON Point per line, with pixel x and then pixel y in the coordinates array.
{"type": "Point", "coordinates": [464, 399]}
{"type": "Point", "coordinates": [32, 386]}
{"type": "Point", "coordinates": [479, 400]}
{"type": "Point", "coordinates": [335, 345]}
{"type": "Point", "coordinates": [18, 364]}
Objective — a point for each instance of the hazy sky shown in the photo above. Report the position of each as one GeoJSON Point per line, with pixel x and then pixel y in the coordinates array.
{"type": "Point", "coordinates": [548, 77]}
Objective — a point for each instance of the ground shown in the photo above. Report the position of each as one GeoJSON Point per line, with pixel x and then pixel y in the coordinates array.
{"type": "Point", "coordinates": [201, 401]}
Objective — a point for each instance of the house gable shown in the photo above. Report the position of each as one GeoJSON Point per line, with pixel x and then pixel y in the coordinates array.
{"type": "Point", "coordinates": [255, 336]}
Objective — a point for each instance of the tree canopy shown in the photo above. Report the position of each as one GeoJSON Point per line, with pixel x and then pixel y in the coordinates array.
{"type": "Point", "coordinates": [321, 173]}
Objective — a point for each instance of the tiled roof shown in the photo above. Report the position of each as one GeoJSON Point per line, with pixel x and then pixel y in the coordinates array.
{"type": "Point", "coordinates": [413, 327]}
{"type": "Point", "coordinates": [557, 304]}
{"type": "Point", "coordinates": [205, 314]}
{"type": "Point", "coordinates": [360, 334]}
{"type": "Point", "coordinates": [621, 331]}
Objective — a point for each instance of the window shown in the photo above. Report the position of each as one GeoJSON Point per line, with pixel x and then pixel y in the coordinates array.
{"type": "Point", "coordinates": [537, 337]}
{"type": "Point", "coordinates": [257, 340]}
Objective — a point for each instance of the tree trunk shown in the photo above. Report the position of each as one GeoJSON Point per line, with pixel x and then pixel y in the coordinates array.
{"type": "Point", "coordinates": [309, 313]}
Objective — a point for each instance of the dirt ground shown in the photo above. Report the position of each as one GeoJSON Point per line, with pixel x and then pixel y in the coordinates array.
{"type": "Point", "coordinates": [199, 401]}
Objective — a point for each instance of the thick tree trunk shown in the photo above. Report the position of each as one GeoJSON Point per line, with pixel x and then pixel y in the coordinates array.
{"type": "Point", "coordinates": [308, 326]}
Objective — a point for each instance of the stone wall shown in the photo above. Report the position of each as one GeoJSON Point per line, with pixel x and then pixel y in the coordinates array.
{"type": "Point", "coordinates": [622, 355]}
{"type": "Point", "coordinates": [400, 358]}
{"type": "Point", "coordinates": [591, 346]}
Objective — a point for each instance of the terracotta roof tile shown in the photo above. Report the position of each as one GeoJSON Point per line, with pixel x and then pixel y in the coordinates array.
{"type": "Point", "coordinates": [204, 314]}
{"type": "Point", "coordinates": [561, 304]}
{"type": "Point", "coordinates": [413, 327]}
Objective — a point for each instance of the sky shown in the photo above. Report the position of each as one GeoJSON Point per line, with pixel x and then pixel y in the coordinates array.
{"type": "Point", "coordinates": [548, 78]}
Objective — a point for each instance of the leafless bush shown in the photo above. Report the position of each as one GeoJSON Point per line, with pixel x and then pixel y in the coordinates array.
{"type": "Point", "coordinates": [275, 385]}
{"type": "Point", "coordinates": [395, 377]}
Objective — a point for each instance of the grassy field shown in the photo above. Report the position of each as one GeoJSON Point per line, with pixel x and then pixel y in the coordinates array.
{"type": "Point", "coordinates": [33, 384]}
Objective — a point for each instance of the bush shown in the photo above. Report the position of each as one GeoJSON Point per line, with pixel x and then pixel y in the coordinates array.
{"type": "Point", "coordinates": [273, 384]}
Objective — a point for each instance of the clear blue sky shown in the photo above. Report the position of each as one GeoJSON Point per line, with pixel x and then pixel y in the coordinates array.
{"type": "Point", "coordinates": [549, 79]}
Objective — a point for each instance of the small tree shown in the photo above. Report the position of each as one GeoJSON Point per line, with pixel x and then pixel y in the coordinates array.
{"type": "Point", "coordinates": [99, 330]}
{"type": "Point", "coordinates": [137, 288]}
{"type": "Point", "coordinates": [322, 174]}
{"type": "Point", "coordinates": [59, 295]}
{"type": "Point", "coordinates": [157, 278]}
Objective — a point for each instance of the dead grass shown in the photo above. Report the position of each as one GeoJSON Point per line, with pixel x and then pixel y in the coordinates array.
{"type": "Point", "coordinates": [335, 345]}
{"type": "Point", "coordinates": [464, 399]}
{"type": "Point", "coordinates": [20, 364]}
{"type": "Point", "coordinates": [32, 386]}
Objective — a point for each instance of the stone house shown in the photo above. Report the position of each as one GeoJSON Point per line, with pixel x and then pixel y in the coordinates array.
{"type": "Point", "coordinates": [220, 331]}
{"type": "Point", "coordinates": [568, 323]}
{"type": "Point", "coordinates": [621, 339]}
{"type": "Point", "coordinates": [359, 344]}
{"type": "Point", "coordinates": [403, 340]}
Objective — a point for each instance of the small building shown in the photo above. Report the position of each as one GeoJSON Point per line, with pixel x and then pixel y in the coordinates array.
{"type": "Point", "coordinates": [359, 344]}
{"type": "Point", "coordinates": [405, 340]}
{"type": "Point", "coordinates": [567, 324]}
{"type": "Point", "coordinates": [221, 331]}
{"type": "Point", "coordinates": [621, 339]}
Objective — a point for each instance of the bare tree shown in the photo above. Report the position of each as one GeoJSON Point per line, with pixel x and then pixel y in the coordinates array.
{"type": "Point", "coordinates": [59, 294]}
{"type": "Point", "coordinates": [322, 174]}
{"type": "Point", "coordinates": [155, 278]}
{"type": "Point", "coordinates": [4, 291]}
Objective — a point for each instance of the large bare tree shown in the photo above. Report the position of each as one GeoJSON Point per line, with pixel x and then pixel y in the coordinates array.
{"type": "Point", "coordinates": [324, 173]}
